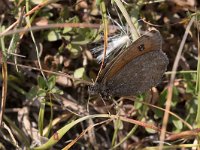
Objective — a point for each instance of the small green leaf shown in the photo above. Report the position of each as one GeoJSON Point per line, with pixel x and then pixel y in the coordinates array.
{"type": "Point", "coordinates": [66, 30]}
{"type": "Point", "coordinates": [41, 93]}
{"type": "Point", "coordinates": [177, 123]}
{"type": "Point", "coordinates": [163, 97]}
{"type": "Point", "coordinates": [175, 97]}
{"type": "Point", "coordinates": [41, 118]}
{"type": "Point", "coordinates": [86, 36]}
{"type": "Point", "coordinates": [32, 93]}
{"type": "Point", "coordinates": [79, 73]}
{"type": "Point", "coordinates": [149, 130]}
{"type": "Point", "coordinates": [138, 105]}
{"type": "Point", "coordinates": [56, 90]}
{"type": "Point", "coordinates": [42, 83]}
{"type": "Point", "coordinates": [51, 82]}
{"type": "Point", "coordinates": [53, 36]}
{"type": "Point", "coordinates": [75, 50]}
{"type": "Point", "coordinates": [60, 92]}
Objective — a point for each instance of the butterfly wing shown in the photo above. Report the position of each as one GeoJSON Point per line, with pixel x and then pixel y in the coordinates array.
{"type": "Point", "coordinates": [139, 75]}
{"type": "Point", "coordinates": [148, 42]}
{"type": "Point", "coordinates": [136, 69]}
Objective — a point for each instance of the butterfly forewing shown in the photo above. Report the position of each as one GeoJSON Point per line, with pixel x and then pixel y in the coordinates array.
{"type": "Point", "coordinates": [139, 75]}
{"type": "Point", "coordinates": [135, 69]}
{"type": "Point", "coordinates": [149, 42]}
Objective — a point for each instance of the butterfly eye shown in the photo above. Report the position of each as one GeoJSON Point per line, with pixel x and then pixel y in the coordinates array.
{"type": "Point", "coordinates": [141, 47]}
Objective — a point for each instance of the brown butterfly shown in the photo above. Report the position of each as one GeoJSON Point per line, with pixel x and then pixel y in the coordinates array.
{"type": "Point", "coordinates": [134, 70]}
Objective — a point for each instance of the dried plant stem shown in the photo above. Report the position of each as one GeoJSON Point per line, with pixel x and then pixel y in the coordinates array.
{"type": "Point", "coordinates": [134, 33]}
{"type": "Point", "coordinates": [4, 90]}
{"type": "Point", "coordinates": [105, 23]}
{"type": "Point", "coordinates": [50, 72]}
{"type": "Point", "coordinates": [171, 84]}
{"type": "Point", "coordinates": [52, 26]}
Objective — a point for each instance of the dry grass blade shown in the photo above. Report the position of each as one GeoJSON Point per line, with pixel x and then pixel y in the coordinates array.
{"type": "Point", "coordinates": [50, 72]}
{"type": "Point", "coordinates": [83, 133]}
{"type": "Point", "coordinates": [4, 90]}
{"type": "Point", "coordinates": [171, 84]}
{"type": "Point", "coordinates": [183, 135]}
{"type": "Point", "coordinates": [105, 23]}
{"type": "Point", "coordinates": [134, 33]}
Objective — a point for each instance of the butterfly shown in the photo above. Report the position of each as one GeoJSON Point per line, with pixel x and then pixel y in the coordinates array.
{"type": "Point", "coordinates": [135, 69]}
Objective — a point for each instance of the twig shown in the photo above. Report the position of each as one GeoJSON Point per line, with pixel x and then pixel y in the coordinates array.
{"type": "Point", "coordinates": [171, 84]}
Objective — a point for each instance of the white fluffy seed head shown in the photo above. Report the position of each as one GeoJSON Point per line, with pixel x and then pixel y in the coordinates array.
{"type": "Point", "coordinates": [114, 45]}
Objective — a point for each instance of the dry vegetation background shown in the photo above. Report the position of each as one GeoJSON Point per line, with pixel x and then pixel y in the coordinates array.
{"type": "Point", "coordinates": [51, 110]}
